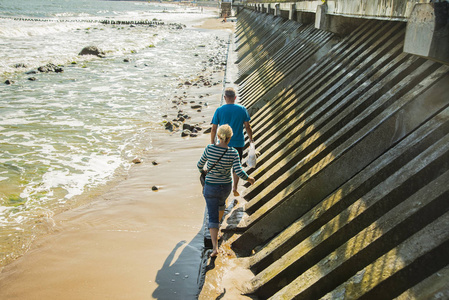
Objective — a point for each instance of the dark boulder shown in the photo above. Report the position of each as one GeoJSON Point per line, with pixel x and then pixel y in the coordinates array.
{"type": "Point", "coordinates": [92, 50]}
{"type": "Point", "coordinates": [50, 68]}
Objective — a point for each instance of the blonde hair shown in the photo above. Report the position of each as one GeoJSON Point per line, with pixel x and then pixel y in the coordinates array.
{"type": "Point", "coordinates": [224, 132]}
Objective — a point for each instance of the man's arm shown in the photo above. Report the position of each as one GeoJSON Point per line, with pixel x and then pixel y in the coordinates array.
{"type": "Point", "coordinates": [213, 133]}
{"type": "Point", "coordinates": [249, 131]}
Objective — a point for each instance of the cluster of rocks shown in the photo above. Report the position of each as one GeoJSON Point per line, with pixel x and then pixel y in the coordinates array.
{"type": "Point", "coordinates": [219, 59]}
{"type": "Point", "coordinates": [178, 123]}
{"type": "Point", "coordinates": [190, 130]}
{"type": "Point", "coordinates": [52, 68]}
{"type": "Point", "coordinates": [42, 69]}
{"type": "Point", "coordinates": [186, 129]}
{"type": "Point", "coordinates": [200, 81]}
{"type": "Point", "coordinates": [49, 68]}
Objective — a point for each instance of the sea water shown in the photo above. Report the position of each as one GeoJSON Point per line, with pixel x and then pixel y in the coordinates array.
{"type": "Point", "coordinates": [62, 135]}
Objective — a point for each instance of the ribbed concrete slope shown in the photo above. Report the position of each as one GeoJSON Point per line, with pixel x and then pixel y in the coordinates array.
{"type": "Point", "coordinates": [352, 193]}
{"type": "Point", "coordinates": [281, 55]}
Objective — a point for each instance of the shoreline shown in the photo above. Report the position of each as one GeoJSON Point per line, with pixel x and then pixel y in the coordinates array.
{"type": "Point", "coordinates": [130, 240]}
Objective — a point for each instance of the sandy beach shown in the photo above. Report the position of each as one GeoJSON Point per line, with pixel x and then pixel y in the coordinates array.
{"type": "Point", "coordinates": [130, 242]}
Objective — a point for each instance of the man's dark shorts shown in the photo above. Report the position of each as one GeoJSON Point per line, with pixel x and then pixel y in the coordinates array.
{"type": "Point", "coordinates": [240, 151]}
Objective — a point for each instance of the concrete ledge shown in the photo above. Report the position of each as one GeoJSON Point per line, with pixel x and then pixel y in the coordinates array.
{"type": "Point", "coordinates": [395, 10]}
{"type": "Point", "coordinates": [427, 32]}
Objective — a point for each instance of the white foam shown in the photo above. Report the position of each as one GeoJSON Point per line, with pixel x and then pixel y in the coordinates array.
{"type": "Point", "coordinates": [71, 123]}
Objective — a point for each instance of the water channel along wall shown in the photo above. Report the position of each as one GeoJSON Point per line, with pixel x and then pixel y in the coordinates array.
{"type": "Point", "coordinates": [351, 197]}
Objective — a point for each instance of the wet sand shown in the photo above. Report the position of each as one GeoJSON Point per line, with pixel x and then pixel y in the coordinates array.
{"type": "Point", "coordinates": [130, 242]}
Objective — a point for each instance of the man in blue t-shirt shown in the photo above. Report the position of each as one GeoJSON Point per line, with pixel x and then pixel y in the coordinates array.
{"type": "Point", "coordinates": [236, 116]}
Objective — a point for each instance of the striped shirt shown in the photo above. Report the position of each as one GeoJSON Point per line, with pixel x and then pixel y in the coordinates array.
{"type": "Point", "coordinates": [221, 173]}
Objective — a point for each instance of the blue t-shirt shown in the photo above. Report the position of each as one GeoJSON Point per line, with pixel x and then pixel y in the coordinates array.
{"type": "Point", "coordinates": [234, 115]}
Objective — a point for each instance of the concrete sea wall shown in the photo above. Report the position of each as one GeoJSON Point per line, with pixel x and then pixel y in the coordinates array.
{"type": "Point", "coordinates": [352, 183]}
